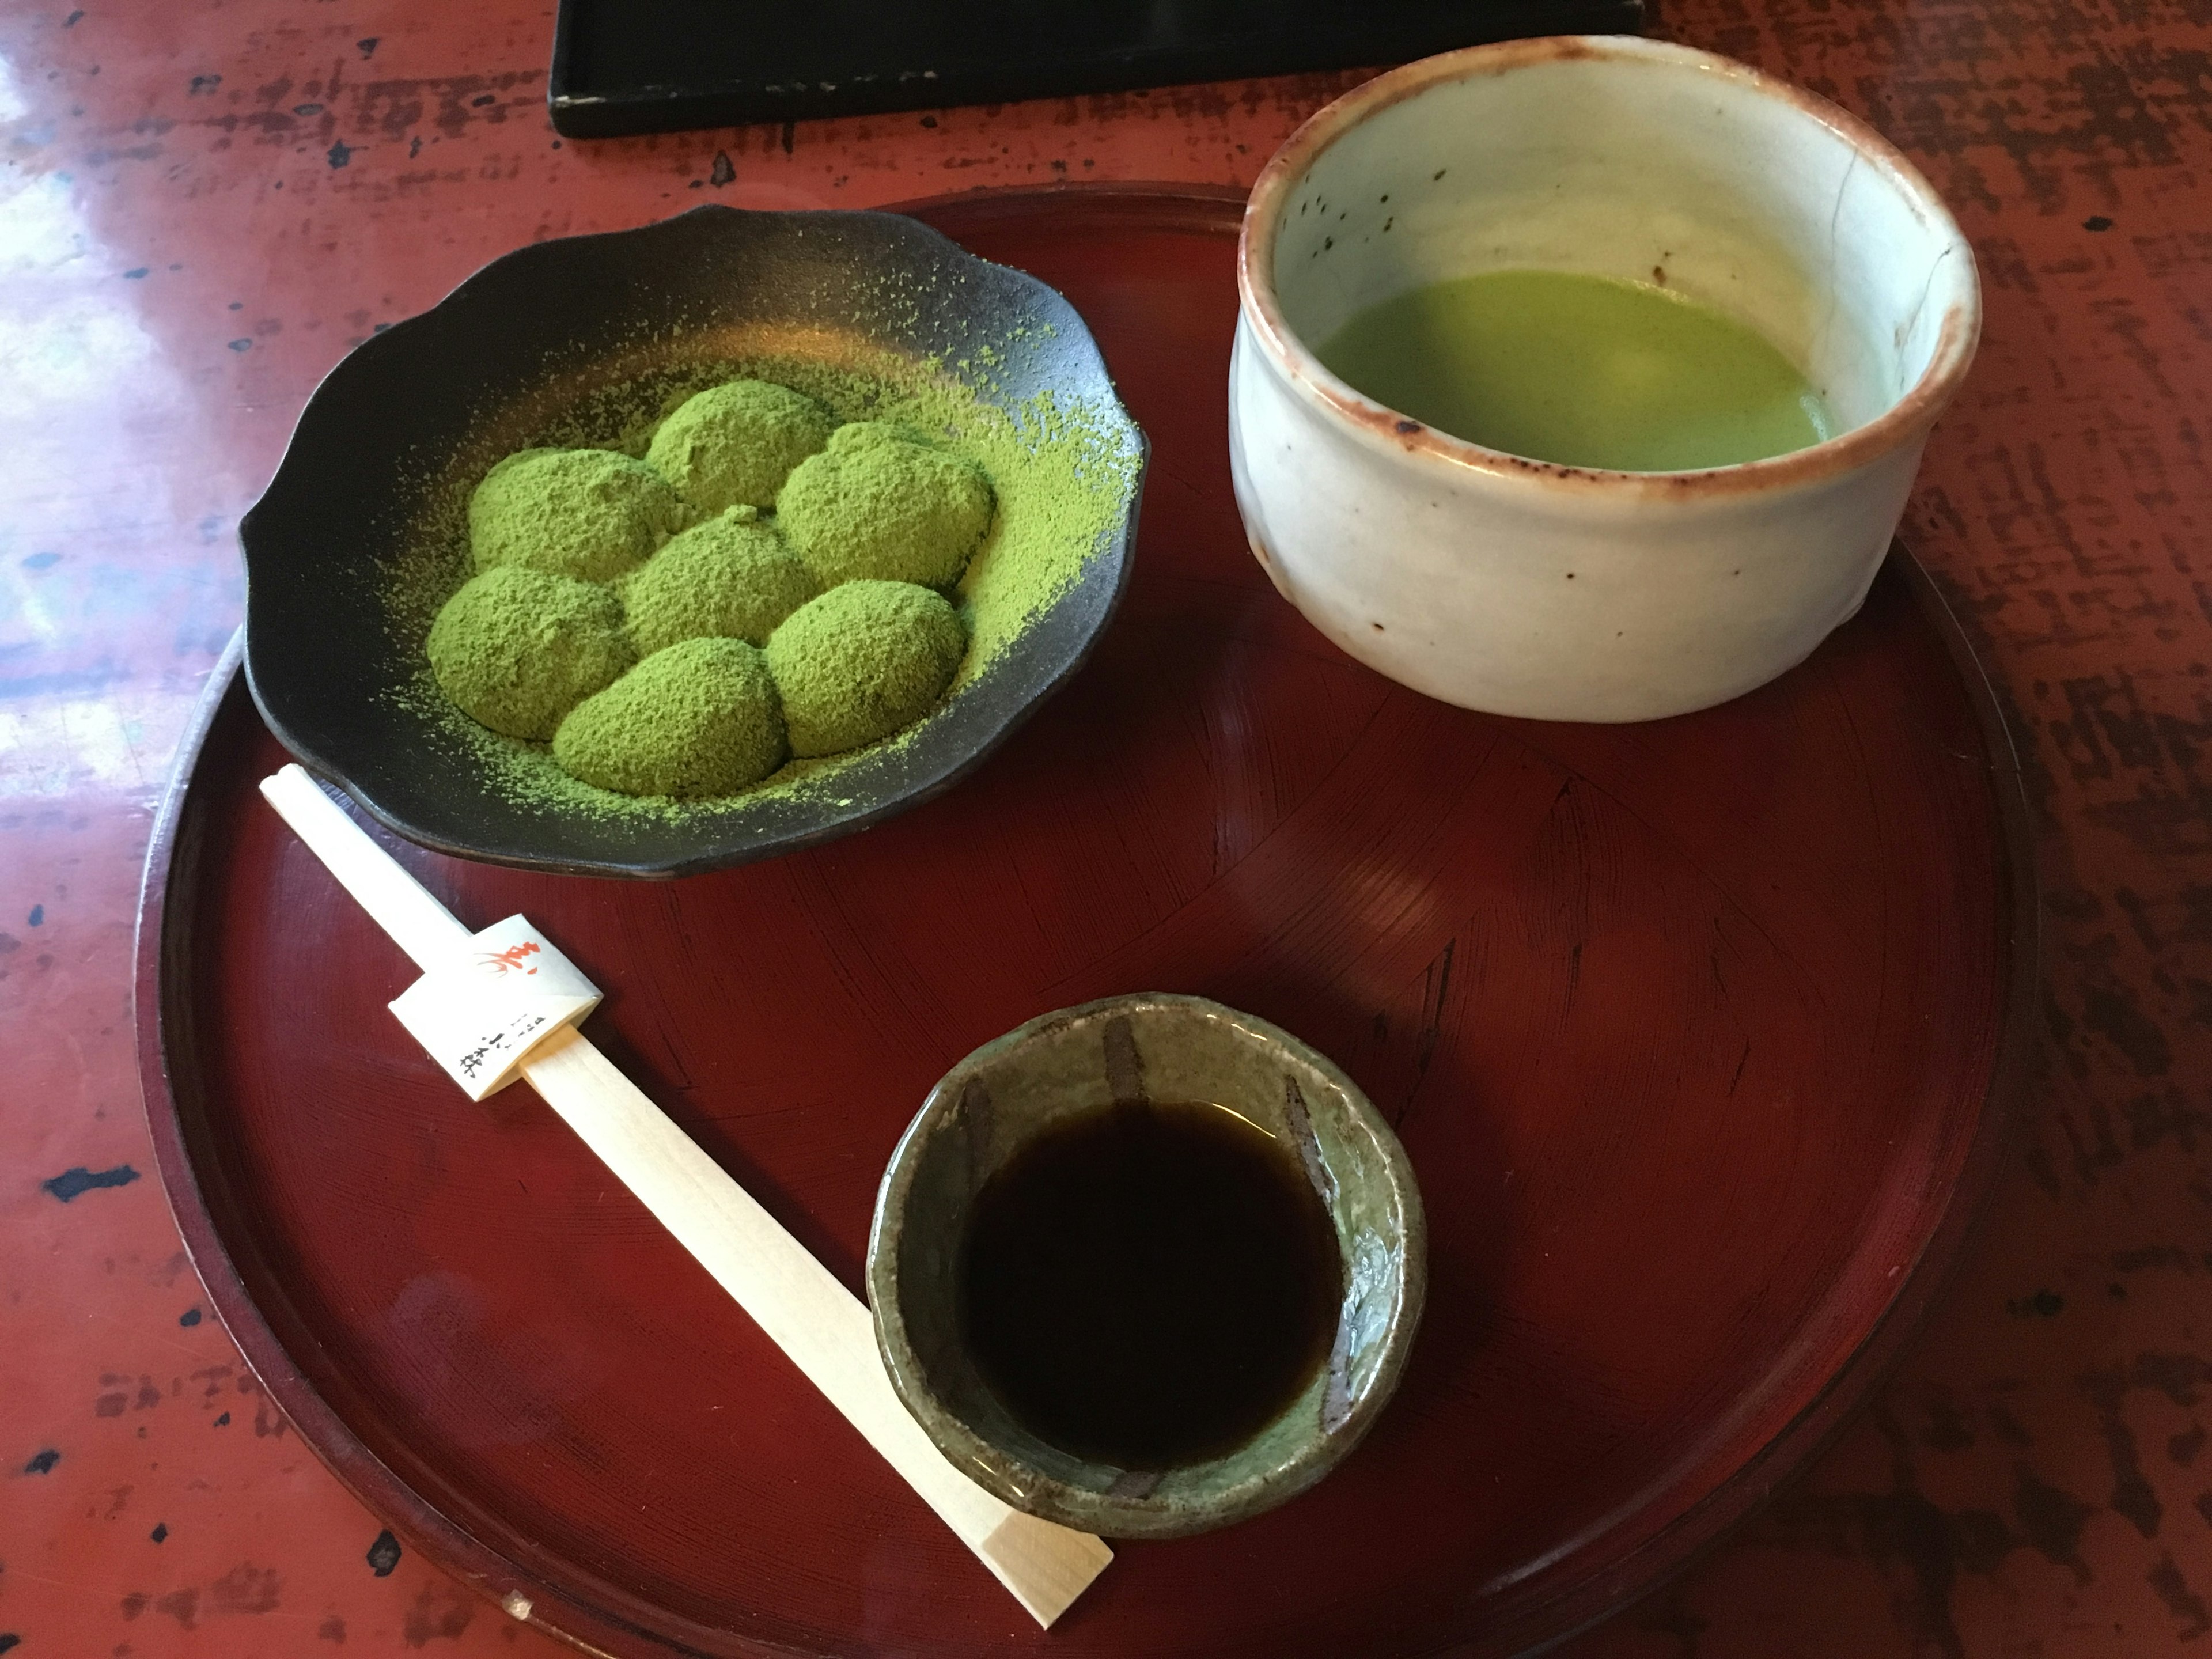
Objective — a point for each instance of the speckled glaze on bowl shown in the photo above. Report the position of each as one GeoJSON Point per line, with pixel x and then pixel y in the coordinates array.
{"type": "Point", "coordinates": [1149, 1046]}
{"type": "Point", "coordinates": [1518, 586]}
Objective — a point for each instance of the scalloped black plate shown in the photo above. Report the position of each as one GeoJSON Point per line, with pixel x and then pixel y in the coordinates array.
{"type": "Point", "coordinates": [561, 320]}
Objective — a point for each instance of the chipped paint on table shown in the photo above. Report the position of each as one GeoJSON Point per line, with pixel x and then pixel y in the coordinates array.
{"type": "Point", "coordinates": [203, 207]}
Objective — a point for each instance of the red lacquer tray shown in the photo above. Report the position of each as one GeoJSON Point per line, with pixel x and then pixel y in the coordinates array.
{"type": "Point", "coordinates": [1699, 1034]}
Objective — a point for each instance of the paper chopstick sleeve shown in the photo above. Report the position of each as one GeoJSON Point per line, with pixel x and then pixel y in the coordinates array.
{"type": "Point", "coordinates": [490, 999]}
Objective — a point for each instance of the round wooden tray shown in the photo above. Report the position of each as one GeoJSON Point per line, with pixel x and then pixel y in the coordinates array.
{"type": "Point", "coordinates": [1699, 1034]}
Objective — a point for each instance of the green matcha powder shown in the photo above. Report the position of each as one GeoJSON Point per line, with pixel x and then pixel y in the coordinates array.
{"type": "Point", "coordinates": [756, 639]}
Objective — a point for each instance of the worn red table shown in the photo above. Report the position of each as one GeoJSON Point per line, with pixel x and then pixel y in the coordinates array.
{"type": "Point", "coordinates": [202, 208]}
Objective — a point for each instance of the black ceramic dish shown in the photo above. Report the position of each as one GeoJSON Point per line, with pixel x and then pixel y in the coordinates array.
{"type": "Point", "coordinates": [549, 325]}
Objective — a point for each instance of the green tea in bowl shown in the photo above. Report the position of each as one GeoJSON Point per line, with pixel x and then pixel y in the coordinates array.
{"type": "Point", "coordinates": [1586, 371]}
{"type": "Point", "coordinates": [1585, 378]}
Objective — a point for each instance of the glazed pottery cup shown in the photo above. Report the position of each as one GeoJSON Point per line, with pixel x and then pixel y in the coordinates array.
{"type": "Point", "coordinates": [1521, 587]}
{"type": "Point", "coordinates": [1163, 1048]}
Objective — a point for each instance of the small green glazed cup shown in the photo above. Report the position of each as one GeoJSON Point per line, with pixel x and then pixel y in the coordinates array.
{"type": "Point", "coordinates": [1150, 1046]}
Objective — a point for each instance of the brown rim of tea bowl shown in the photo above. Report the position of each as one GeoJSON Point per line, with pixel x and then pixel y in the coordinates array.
{"type": "Point", "coordinates": [1145, 1047]}
{"type": "Point", "coordinates": [1536, 588]}
{"type": "Point", "coordinates": [1906, 418]}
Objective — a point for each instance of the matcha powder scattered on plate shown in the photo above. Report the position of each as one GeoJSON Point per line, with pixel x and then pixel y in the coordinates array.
{"type": "Point", "coordinates": [1023, 499]}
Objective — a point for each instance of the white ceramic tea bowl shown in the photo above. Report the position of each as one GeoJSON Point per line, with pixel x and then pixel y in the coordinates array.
{"type": "Point", "coordinates": [1523, 587]}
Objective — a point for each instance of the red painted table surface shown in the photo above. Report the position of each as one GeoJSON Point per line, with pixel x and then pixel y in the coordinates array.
{"type": "Point", "coordinates": [203, 207]}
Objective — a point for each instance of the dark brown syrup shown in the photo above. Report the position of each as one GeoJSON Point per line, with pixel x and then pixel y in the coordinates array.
{"type": "Point", "coordinates": [1149, 1286]}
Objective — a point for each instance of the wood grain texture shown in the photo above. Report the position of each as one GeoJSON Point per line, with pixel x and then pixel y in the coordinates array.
{"type": "Point", "coordinates": [206, 205]}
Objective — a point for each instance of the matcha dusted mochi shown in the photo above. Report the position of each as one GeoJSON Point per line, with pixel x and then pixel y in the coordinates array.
{"type": "Point", "coordinates": [730, 577]}
{"type": "Point", "coordinates": [875, 503]}
{"type": "Point", "coordinates": [862, 661]}
{"type": "Point", "coordinates": [674, 639]}
{"type": "Point", "coordinates": [698, 719]}
{"type": "Point", "coordinates": [734, 445]}
{"type": "Point", "coordinates": [589, 513]}
{"type": "Point", "coordinates": [517, 648]}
